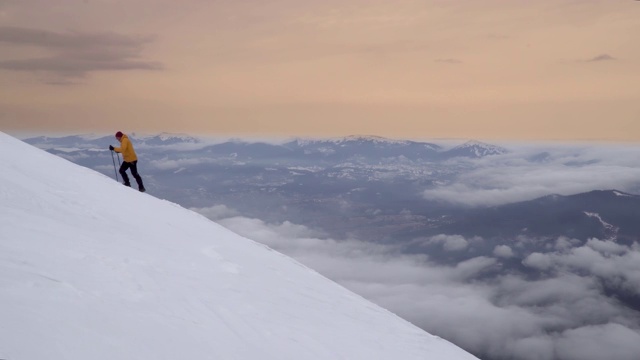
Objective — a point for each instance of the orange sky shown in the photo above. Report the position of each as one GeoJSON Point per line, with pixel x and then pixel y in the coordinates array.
{"type": "Point", "coordinates": [483, 69]}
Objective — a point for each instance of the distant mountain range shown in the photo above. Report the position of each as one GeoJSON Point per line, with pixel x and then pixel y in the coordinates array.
{"type": "Point", "coordinates": [368, 149]}
{"type": "Point", "coordinates": [101, 141]}
{"type": "Point", "coordinates": [601, 214]}
{"type": "Point", "coordinates": [377, 147]}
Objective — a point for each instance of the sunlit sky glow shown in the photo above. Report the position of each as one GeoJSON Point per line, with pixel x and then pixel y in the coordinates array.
{"type": "Point", "coordinates": [487, 69]}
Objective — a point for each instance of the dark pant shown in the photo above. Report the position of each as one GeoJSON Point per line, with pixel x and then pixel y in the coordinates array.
{"type": "Point", "coordinates": [134, 171]}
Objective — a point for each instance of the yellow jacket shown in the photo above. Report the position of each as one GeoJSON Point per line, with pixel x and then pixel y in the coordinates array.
{"type": "Point", "coordinates": [126, 148]}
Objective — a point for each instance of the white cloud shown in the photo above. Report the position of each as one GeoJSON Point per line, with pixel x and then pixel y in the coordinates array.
{"type": "Point", "coordinates": [538, 261]}
{"type": "Point", "coordinates": [473, 267]}
{"type": "Point", "coordinates": [450, 242]}
{"type": "Point", "coordinates": [607, 247]}
{"type": "Point", "coordinates": [563, 243]}
{"type": "Point", "coordinates": [216, 212]}
{"type": "Point", "coordinates": [608, 341]}
{"type": "Point", "coordinates": [503, 251]}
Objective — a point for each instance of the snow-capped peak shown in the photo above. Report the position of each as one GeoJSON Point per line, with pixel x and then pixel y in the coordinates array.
{"type": "Point", "coordinates": [373, 139]}
{"type": "Point", "coordinates": [169, 137]}
{"type": "Point", "coordinates": [479, 149]}
{"type": "Point", "coordinates": [378, 140]}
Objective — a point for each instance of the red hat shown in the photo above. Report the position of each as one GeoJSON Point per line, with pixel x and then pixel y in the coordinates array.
{"type": "Point", "coordinates": [119, 134]}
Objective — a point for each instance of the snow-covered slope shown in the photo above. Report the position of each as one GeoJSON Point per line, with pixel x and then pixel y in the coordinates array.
{"type": "Point", "coordinates": [90, 269]}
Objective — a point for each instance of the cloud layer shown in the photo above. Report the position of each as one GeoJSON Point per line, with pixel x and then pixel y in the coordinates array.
{"type": "Point", "coordinates": [562, 313]}
{"type": "Point", "coordinates": [526, 174]}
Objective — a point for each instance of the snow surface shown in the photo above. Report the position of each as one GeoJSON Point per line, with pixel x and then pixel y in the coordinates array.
{"type": "Point", "coordinates": [90, 269]}
{"type": "Point", "coordinates": [618, 193]}
{"type": "Point", "coordinates": [613, 230]}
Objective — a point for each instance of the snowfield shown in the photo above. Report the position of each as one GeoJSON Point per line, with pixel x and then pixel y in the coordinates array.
{"type": "Point", "coordinates": [90, 269]}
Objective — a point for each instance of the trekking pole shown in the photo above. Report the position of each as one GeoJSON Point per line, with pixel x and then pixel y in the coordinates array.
{"type": "Point", "coordinates": [114, 165]}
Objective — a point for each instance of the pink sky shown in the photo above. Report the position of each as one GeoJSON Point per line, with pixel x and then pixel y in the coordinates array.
{"type": "Point", "coordinates": [485, 69]}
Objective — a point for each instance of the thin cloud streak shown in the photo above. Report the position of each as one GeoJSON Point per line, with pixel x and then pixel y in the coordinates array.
{"type": "Point", "coordinates": [76, 54]}
{"type": "Point", "coordinates": [603, 57]}
{"type": "Point", "coordinates": [70, 40]}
